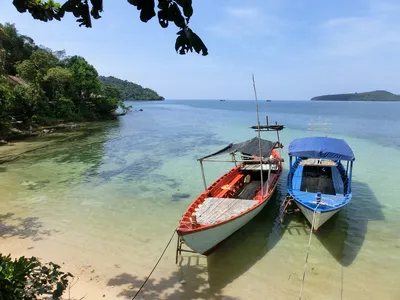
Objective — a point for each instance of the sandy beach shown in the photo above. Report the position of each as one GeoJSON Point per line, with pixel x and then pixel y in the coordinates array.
{"type": "Point", "coordinates": [91, 277]}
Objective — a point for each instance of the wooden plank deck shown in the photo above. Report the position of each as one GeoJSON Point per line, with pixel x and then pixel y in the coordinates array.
{"type": "Point", "coordinates": [257, 167]}
{"type": "Point", "coordinates": [217, 209]}
{"type": "Point", "coordinates": [317, 162]}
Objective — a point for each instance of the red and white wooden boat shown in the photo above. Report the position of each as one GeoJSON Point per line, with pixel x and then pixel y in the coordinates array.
{"type": "Point", "coordinates": [233, 199]}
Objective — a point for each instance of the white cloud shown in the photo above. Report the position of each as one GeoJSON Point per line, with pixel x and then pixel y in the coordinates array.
{"type": "Point", "coordinates": [247, 21]}
{"type": "Point", "coordinates": [243, 12]}
{"type": "Point", "coordinates": [364, 35]}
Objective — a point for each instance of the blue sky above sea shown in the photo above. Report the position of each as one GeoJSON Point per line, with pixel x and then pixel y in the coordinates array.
{"type": "Point", "coordinates": [297, 49]}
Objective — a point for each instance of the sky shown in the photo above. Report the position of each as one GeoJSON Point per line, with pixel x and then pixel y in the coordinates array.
{"type": "Point", "coordinates": [296, 49]}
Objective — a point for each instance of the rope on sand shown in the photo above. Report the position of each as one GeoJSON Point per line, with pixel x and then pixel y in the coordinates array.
{"type": "Point", "coordinates": [155, 266]}
{"type": "Point", "coordinates": [308, 251]}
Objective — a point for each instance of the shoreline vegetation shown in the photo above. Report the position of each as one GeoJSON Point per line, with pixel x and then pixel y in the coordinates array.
{"type": "Point", "coordinates": [41, 88]}
{"type": "Point", "coordinates": [378, 95]}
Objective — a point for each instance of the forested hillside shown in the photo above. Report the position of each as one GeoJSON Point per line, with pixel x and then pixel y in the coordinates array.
{"type": "Point", "coordinates": [367, 96]}
{"type": "Point", "coordinates": [130, 90]}
{"type": "Point", "coordinates": [39, 86]}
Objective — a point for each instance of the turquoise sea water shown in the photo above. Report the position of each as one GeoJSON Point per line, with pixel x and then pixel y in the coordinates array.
{"type": "Point", "coordinates": [119, 188]}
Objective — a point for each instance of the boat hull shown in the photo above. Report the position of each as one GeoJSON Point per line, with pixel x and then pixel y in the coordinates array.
{"type": "Point", "coordinates": [204, 235]}
{"type": "Point", "coordinates": [205, 240]}
{"type": "Point", "coordinates": [320, 218]}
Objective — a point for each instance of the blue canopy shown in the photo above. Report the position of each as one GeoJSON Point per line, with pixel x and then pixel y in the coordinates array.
{"type": "Point", "coordinates": [321, 147]}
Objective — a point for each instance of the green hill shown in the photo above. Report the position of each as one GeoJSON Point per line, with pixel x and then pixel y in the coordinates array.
{"type": "Point", "coordinates": [130, 90]}
{"type": "Point", "coordinates": [367, 96]}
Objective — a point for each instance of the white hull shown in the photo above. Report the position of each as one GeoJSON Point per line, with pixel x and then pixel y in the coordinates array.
{"type": "Point", "coordinates": [204, 240]}
{"type": "Point", "coordinates": [320, 218]}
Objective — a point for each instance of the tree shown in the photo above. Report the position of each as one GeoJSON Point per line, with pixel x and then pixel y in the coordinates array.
{"type": "Point", "coordinates": [2, 60]}
{"type": "Point", "coordinates": [85, 81]}
{"type": "Point", "coordinates": [56, 88]}
{"type": "Point", "coordinates": [177, 11]}
{"type": "Point", "coordinates": [27, 70]}
{"type": "Point", "coordinates": [15, 47]}
{"type": "Point", "coordinates": [28, 101]}
{"type": "Point", "coordinates": [43, 61]}
{"type": "Point", "coordinates": [58, 78]}
{"type": "Point", "coordinates": [111, 92]}
{"type": "Point", "coordinates": [5, 102]}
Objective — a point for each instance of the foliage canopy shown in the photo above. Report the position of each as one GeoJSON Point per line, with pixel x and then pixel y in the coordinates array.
{"type": "Point", "coordinates": [29, 279]}
{"type": "Point", "coordinates": [178, 12]}
{"type": "Point", "coordinates": [39, 86]}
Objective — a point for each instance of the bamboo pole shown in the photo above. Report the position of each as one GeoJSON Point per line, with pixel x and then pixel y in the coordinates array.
{"type": "Point", "coordinates": [202, 174]}
{"type": "Point", "coordinates": [259, 139]}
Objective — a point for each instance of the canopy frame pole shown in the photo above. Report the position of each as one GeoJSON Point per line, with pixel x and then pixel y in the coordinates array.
{"type": "Point", "coordinates": [259, 138]}
{"type": "Point", "coordinates": [229, 160]}
{"type": "Point", "coordinates": [277, 134]}
{"type": "Point", "coordinates": [234, 159]}
{"type": "Point", "coordinates": [203, 175]}
{"type": "Point", "coordinates": [269, 176]}
{"type": "Point", "coordinates": [350, 175]}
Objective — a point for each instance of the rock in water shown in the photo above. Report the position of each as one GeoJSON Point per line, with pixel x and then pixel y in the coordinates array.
{"type": "Point", "coordinates": [178, 196]}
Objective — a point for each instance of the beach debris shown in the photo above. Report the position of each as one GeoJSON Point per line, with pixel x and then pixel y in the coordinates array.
{"type": "Point", "coordinates": [131, 287]}
{"type": "Point", "coordinates": [182, 281]}
{"type": "Point", "coordinates": [31, 185]}
{"type": "Point", "coordinates": [28, 183]}
{"type": "Point", "coordinates": [291, 275]}
{"type": "Point", "coordinates": [92, 271]}
{"type": "Point", "coordinates": [117, 266]}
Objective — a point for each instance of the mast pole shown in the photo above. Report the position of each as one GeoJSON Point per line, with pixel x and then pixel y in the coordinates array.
{"type": "Point", "coordinates": [259, 138]}
{"type": "Point", "coordinates": [203, 175]}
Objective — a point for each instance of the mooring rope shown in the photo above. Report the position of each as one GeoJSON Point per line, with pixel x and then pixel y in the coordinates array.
{"type": "Point", "coordinates": [308, 250]}
{"type": "Point", "coordinates": [155, 266]}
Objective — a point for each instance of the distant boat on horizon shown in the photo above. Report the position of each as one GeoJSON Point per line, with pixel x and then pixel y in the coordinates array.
{"type": "Point", "coordinates": [268, 101]}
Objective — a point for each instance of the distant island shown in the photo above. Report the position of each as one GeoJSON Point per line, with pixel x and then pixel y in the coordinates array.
{"type": "Point", "coordinates": [130, 90]}
{"type": "Point", "coordinates": [367, 96]}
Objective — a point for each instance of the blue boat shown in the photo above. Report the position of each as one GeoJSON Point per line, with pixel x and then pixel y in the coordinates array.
{"type": "Point", "coordinates": [319, 179]}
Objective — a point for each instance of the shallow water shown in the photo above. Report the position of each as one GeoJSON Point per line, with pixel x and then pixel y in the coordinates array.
{"type": "Point", "coordinates": [118, 189]}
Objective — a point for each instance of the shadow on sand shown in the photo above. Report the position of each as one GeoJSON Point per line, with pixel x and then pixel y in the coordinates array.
{"type": "Point", "coordinates": [343, 235]}
{"type": "Point", "coordinates": [230, 260]}
{"type": "Point", "coordinates": [21, 227]}
{"type": "Point", "coordinates": [195, 286]}
{"type": "Point", "coordinates": [244, 248]}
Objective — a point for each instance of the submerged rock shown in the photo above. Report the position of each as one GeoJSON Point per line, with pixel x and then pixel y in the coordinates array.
{"type": "Point", "coordinates": [35, 185]}
{"type": "Point", "coordinates": [28, 183]}
{"type": "Point", "coordinates": [178, 196]}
